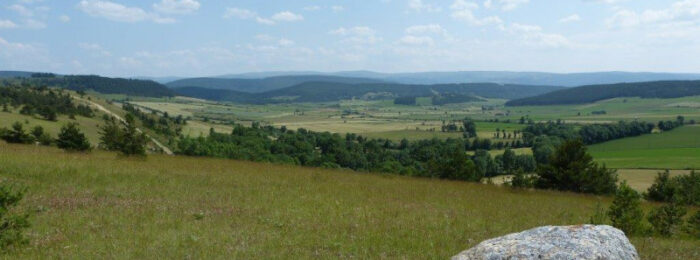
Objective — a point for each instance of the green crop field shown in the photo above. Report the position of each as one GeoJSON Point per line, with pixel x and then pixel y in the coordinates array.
{"type": "Point", "coordinates": [675, 149]}
{"type": "Point", "coordinates": [100, 205]}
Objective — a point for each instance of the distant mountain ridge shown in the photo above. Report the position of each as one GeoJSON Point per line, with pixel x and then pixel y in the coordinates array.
{"type": "Point", "coordinates": [253, 85]}
{"type": "Point", "coordinates": [105, 85]}
{"type": "Point", "coordinates": [501, 77]}
{"type": "Point", "coordinates": [331, 91]}
{"type": "Point", "coordinates": [593, 93]}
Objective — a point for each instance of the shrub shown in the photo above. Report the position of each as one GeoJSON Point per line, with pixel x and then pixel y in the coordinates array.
{"type": "Point", "coordinates": [70, 138]}
{"type": "Point", "coordinates": [521, 180]}
{"type": "Point", "coordinates": [665, 219]}
{"type": "Point", "coordinates": [693, 225]}
{"type": "Point", "coordinates": [16, 135]}
{"type": "Point", "coordinates": [571, 168]}
{"type": "Point", "coordinates": [625, 212]}
{"type": "Point", "coordinates": [684, 189]}
{"type": "Point", "coordinates": [11, 225]}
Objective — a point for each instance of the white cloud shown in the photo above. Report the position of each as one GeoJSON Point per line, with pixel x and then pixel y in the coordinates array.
{"type": "Point", "coordinates": [285, 42]}
{"type": "Point", "coordinates": [64, 18]}
{"type": "Point", "coordinates": [505, 5]}
{"type": "Point", "coordinates": [312, 8]}
{"type": "Point", "coordinates": [417, 40]}
{"type": "Point", "coordinates": [463, 10]}
{"type": "Point", "coordinates": [21, 10]}
{"type": "Point", "coordinates": [34, 24]}
{"type": "Point", "coordinates": [534, 35]}
{"type": "Point", "coordinates": [357, 34]}
{"type": "Point", "coordinates": [680, 11]}
{"type": "Point", "coordinates": [424, 29]}
{"type": "Point", "coordinates": [264, 21]}
{"type": "Point", "coordinates": [287, 16]}
{"type": "Point", "coordinates": [245, 14]}
{"type": "Point", "coordinates": [419, 6]}
{"type": "Point", "coordinates": [337, 8]}
{"type": "Point", "coordinates": [7, 24]}
{"type": "Point", "coordinates": [119, 13]}
{"type": "Point", "coordinates": [570, 18]}
{"type": "Point", "coordinates": [22, 56]}
{"type": "Point", "coordinates": [95, 49]}
{"type": "Point", "coordinates": [239, 13]}
{"type": "Point", "coordinates": [176, 7]}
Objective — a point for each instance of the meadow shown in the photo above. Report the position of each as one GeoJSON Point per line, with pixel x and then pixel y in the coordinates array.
{"type": "Point", "coordinates": [101, 205]}
{"type": "Point", "coordinates": [675, 149]}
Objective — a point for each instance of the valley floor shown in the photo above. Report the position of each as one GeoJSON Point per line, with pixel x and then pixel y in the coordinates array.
{"type": "Point", "coordinates": [99, 205]}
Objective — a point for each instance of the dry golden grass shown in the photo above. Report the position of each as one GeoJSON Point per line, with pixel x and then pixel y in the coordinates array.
{"type": "Point", "coordinates": [99, 205]}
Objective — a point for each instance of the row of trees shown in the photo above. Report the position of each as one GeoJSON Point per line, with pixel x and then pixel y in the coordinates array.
{"type": "Point", "coordinates": [163, 125]}
{"type": "Point", "coordinates": [427, 158]}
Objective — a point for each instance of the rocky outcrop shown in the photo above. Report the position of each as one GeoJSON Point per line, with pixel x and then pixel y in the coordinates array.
{"type": "Point", "coordinates": [556, 242]}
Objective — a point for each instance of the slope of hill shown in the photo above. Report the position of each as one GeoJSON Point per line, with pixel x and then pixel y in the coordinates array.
{"type": "Point", "coordinates": [131, 87]}
{"type": "Point", "coordinates": [180, 207]}
{"type": "Point", "coordinates": [326, 91]}
{"type": "Point", "coordinates": [14, 74]}
{"type": "Point", "coordinates": [593, 93]}
{"type": "Point", "coordinates": [264, 84]}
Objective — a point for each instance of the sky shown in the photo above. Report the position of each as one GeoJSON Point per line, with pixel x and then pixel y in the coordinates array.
{"type": "Point", "coordinates": [211, 37]}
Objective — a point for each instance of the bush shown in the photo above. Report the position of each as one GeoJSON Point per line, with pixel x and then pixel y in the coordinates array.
{"type": "Point", "coordinates": [625, 212]}
{"type": "Point", "coordinates": [666, 219]}
{"type": "Point", "coordinates": [684, 189]}
{"type": "Point", "coordinates": [16, 135]}
{"type": "Point", "coordinates": [571, 168]}
{"type": "Point", "coordinates": [693, 225]}
{"type": "Point", "coordinates": [70, 138]}
{"type": "Point", "coordinates": [521, 180]}
{"type": "Point", "coordinates": [11, 225]}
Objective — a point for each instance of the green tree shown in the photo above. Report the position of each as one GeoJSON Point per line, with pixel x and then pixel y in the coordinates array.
{"type": "Point", "coordinates": [17, 135]}
{"type": "Point", "coordinates": [625, 211]}
{"type": "Point", "coordinates": [70, 138]}
{"type": "Point", "coordinates": [11, 225]}
{"type": "Point", "coordinates": [666, 219]}
{"type": "Point", "coordinates": [133, 141]}
{"type": "Point", "coordinates": [571, 168]}
{"type": "Point", "coordinates": [469, 128]}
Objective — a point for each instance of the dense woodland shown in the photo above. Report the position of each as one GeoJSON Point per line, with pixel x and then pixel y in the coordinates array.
{"type": "Point", "coordinates": [131, 87]}
{"type": "Point", "coordinates": [593, 93]}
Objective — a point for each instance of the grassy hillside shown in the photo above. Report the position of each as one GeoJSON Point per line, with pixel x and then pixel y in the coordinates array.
{"type": "Point", "coordinates": [675, 149]}
{"type": "Point", "coordinates": [101, 206]}
{"type": "Point", "coordinates": [264, 84]}
{"type": "Point", "coordinates": [593, 93]}
{"type": "Point", "coordinates": [328, 91]}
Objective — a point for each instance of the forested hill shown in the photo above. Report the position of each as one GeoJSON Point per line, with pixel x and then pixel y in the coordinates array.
{"type": "Point", "coordinates": [328, 91]}
{"type": "Point", "coordinates": [593, 93]}
{"type": "Point", "coordinates": [264, 84]}
{"type": "Point", "coordinates": [131, 87]}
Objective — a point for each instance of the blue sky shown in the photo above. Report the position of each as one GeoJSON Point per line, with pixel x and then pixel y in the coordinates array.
{"type": "Point", "coordinates": [208, 37]}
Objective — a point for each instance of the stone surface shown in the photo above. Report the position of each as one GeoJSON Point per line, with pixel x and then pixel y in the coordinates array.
{"type": "Point", "coordinates": [556, 242]}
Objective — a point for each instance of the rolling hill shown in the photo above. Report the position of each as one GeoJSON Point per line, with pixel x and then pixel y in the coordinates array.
{"type": "Point", "coordinates": [264, 84]}
{"type": "Point", "coordinates": [593, 93]}
{"type": "Point", "coordinates": [502, 77]}
{"type": "Point", "coordinates": [327, 91]}
{"type": "Point", "coordinates": [105, 85]}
